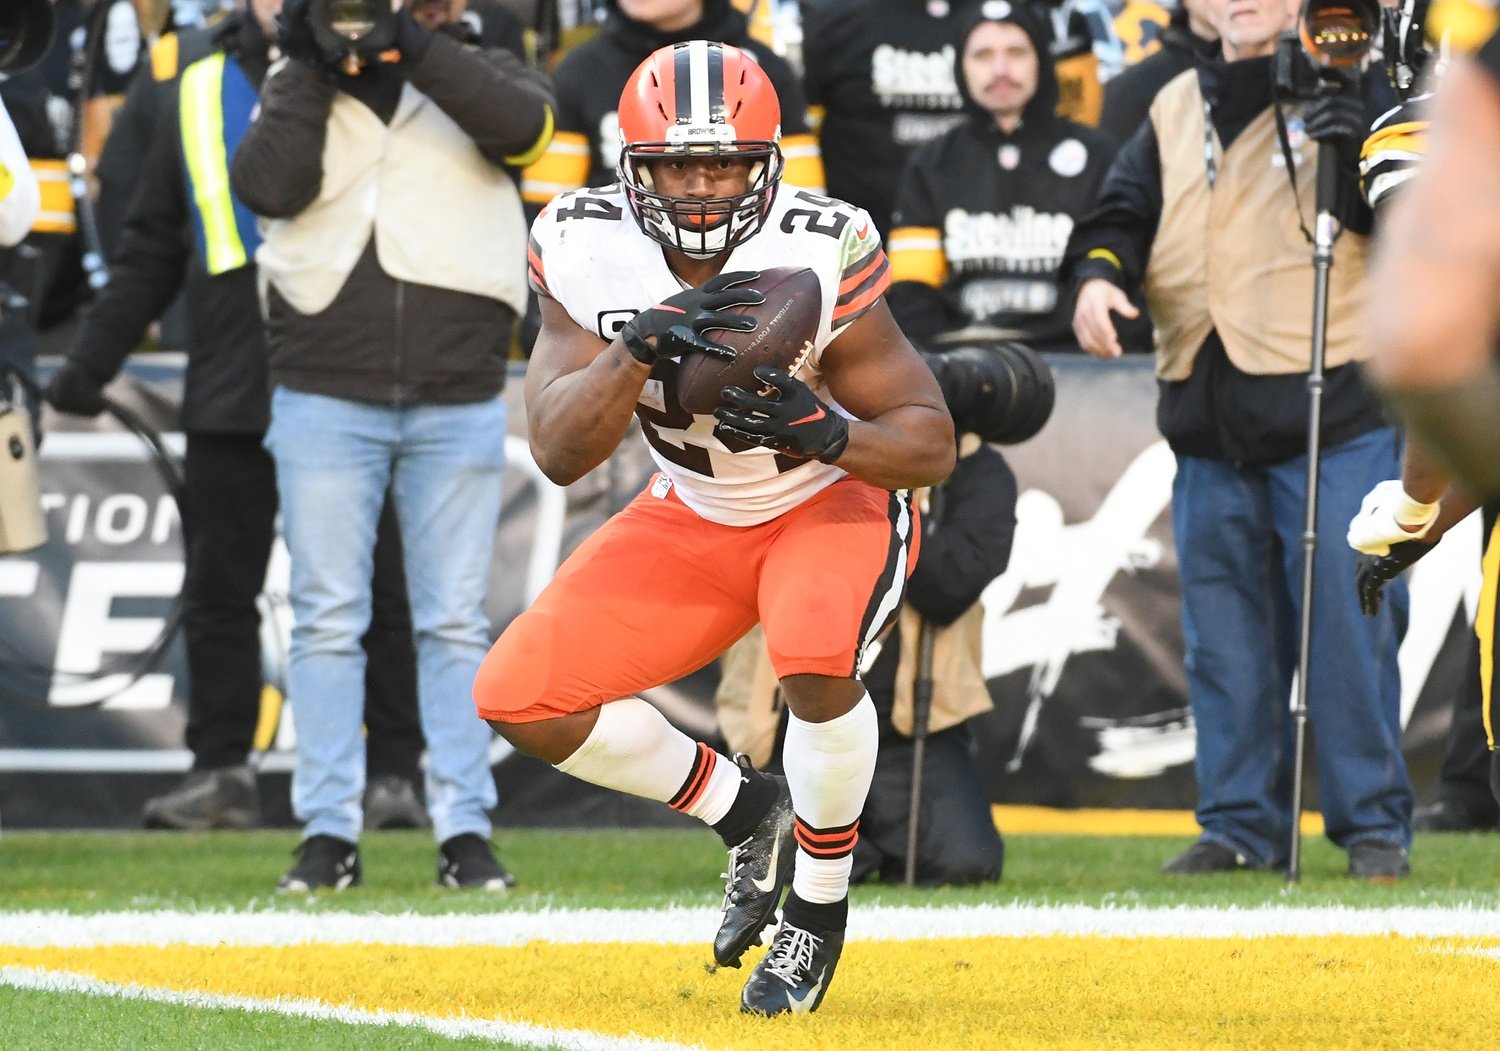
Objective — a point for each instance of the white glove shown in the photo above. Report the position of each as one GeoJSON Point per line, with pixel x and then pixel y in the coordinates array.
{"type": "Point", "coordinates": [1388, 516]}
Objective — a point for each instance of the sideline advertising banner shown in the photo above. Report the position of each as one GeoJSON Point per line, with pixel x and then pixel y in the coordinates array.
{"type": "Point", "coordinates": [1082, 647]}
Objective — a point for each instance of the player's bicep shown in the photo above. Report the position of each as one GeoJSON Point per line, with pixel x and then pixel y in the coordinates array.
{"type": "Point", "coordinates": [1438, 269]}
{"type": "Point", "coordinates": [872, 369]}
{"type": "Point", "coordinates": [562, 348]}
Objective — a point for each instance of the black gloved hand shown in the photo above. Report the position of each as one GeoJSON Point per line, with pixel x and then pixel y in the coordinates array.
{"type": "Point", "coordinates": [679, 322]}
{"type": "Point", "coordinates": [791, 419]}
{"type": "Point", "coordinates": [412, 37]}
{"type": "Point", "coordinates": [1338, 116]}
{"type": "Point", "coordinates": [74, 391]}
{"type": "Point", "coordinates": [294, 35]}
{"type": "Point", "coordinates": [1372, 572]}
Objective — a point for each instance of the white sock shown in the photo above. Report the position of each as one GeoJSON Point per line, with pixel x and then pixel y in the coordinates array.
{"type": "Point", "coordinates": [634, 749]}
{"type": "Point", "coordinates": [829, 767]}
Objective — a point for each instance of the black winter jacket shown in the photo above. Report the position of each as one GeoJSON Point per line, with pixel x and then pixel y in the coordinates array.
{"type": "Point", "coordinates": [225, 390]}
{"type": "Point", "coordinates": [381, 340]}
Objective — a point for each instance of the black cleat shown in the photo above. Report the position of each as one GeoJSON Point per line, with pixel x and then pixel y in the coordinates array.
{"type": "Point", "coordinates": [757, 872]}
{"type": "Point", "coordinates": [794, 976]}
{"type": "Point", "coordinates": [323, 863]}
{"type": "Point", "coordinates": [468, 862]}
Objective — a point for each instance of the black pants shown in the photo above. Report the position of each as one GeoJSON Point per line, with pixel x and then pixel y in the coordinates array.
{"type": "Point", "coordinates": [229, 515]}
{"type": "Point", "coordinates": [957, 841]}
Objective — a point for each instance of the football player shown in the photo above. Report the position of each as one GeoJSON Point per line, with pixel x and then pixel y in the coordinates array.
{"type": "Point", "coordinates": [790, 505]}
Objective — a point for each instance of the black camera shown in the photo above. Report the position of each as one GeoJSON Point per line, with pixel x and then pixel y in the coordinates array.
{"type": "Point", "coordinates": [1330, 34]}
{"type": "Point", "coordinates": [351, 32]}
{"type": "Point", "coordinates": [1001, 391]}
{"type": "Point", "coordinates": [26, 28]}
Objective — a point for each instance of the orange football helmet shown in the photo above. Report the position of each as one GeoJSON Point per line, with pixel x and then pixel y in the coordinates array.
{"type": "Point", "coordinates": [700, 98]}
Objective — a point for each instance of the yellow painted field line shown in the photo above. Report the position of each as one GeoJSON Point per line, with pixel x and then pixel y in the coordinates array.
{"type": "Point", "coordinates": [981, 994]}
{"type": "Point", "coordinates": [1108, 821]}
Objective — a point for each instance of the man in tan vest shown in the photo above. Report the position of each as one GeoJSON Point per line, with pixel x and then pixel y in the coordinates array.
{"type": "Point", "coordinates": [1205, 209]}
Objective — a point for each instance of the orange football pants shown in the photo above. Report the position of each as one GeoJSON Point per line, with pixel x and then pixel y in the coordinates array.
{"type": "Point", "coordinates": [658, 592]}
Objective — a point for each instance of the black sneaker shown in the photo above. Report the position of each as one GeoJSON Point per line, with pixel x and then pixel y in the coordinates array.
{"type": "Point", "coordinates": [755, 876]}
{"type": "Point", "coordinates": [391, 802]}
{"type": "Point", "coordinates": [794, 975]}
{"type": "Point", "coordinates": [1206, 855]}
{"type": "Point", "coordinates": [207, 799]}
{"type": "Point", "coordinates": [323, 862]}
{"type": "Point", "coordinates": [1378, 862]}
{"type": "Point", "coordinates": [468, 862]}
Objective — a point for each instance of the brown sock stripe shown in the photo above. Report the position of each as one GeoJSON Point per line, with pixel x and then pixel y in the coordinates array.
{"type": "Point", "coordinates": [826, 843]}
{"type": "Point", "coordinates": [697, 779]}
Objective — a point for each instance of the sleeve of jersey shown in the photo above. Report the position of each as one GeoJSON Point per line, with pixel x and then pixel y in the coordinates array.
{"type": "Point", "coordinates": [916, 239]}
{"type": "Point", "coordinates": [536, 266]}
{"type": "Point", "coordinates": [864, 274]}
{"type": "Point", "coordinates": [1392, 153]}
{"type": "Point", "coordinates": [565, 164]}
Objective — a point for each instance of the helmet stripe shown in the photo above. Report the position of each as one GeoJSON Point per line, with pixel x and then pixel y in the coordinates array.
{"type": "Point", "coordinates": [716, 112]}
{"type": "Point", "coordinates": [698, 52]}
{"type": "Point", "coordinates": [682, 73]}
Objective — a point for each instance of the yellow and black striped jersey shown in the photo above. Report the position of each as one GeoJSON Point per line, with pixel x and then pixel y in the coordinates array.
{"type": "Point", "coordinates": [1394, 149]}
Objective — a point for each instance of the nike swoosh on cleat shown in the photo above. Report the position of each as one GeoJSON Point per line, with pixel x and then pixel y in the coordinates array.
{"type": "Point", "coordinates": [810, 419]}
{"type": "Point", "coordinates": [804, 1004]}
{"type": "Point", "coordinates": [768, 884]}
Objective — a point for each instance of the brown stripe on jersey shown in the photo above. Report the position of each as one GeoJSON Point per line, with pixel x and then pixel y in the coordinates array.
{"type": "Point", "coordinates": [826, 843]}
{"type": "Point", "coordinates": [863, 282]}
{"type": "Point", "coordinates": [697, 779]}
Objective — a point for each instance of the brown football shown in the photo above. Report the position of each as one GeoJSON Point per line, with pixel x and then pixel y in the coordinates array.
{"type": "Point", "coordinates": [787, 326]}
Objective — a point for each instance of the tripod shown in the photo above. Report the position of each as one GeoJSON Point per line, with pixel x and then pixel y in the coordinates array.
{"type": "Point", "coordinates": [1325, 232]}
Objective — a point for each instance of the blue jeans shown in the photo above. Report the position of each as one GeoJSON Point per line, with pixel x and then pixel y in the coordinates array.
{"type": "Point", "coordinates": [1239, 549]}
{"type": "Point", "coordinates": [443, 463]}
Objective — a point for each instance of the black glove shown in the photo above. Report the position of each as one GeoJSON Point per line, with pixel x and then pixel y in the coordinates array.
{"type": "Point", "coordinates": [791, 420]}
{"type": "Point", "coordinates": [1338, 117]}
{"type": "Point", "coordinates": [678, 322]}
{"type": "Point", "coordinates": [294, 35]}
{"type": "Point", "coordinates": [74, 391]}
{"type": "Point", "coordinates": [1373, 571]}
{"type": "Point", "coordinates": [412, 37]}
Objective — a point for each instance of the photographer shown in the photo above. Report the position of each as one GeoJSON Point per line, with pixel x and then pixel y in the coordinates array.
{"type": "Point", "coordinates": [1205, 208]}
{"type": "Point", "coordinates": [393, 269]}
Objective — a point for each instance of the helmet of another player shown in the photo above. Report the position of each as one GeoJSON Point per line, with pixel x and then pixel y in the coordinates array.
{"type": "Point", "coordinates": [695, 101]}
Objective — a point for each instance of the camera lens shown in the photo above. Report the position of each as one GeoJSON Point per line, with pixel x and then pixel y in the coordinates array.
{"type": "Point", "coordinates": [351, 19]}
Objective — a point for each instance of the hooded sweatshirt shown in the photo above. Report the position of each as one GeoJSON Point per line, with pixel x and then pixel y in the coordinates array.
{"type": "Point", "coordinates": [589, 80]}
{"type": "Point", "coordinates": [983, 215]}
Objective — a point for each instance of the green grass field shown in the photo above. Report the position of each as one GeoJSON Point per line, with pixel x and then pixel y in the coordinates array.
{"type": "Point", "coordinates": [98, 872]}
{"type": "Point", "coordinates": [92, 872]}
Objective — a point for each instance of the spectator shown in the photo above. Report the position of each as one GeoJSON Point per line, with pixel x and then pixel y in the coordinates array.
{"type": "Point", "coordinates": [388, 329]}
{"type": "Point", "coordinates": [171, 242]}
{"type": "Point", "coordinates": [1197, 210]}
{"type": "Point", "coordinates": [983, 214]}
{"type": "Point", "coordinates": [1189, 38]}
{"type": "Point", "coordinates": [879, 76]}
{"type": "Point", "coordinates": [586, 148]}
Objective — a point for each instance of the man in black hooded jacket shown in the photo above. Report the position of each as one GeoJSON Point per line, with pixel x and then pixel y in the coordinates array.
{"type": "Point", "coordinates": [983, 214]}
{"type": "Point", "coordinates": [588, 82]}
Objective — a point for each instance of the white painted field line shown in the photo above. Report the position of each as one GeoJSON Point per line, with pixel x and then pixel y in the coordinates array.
{"type": "Point", "coordinates": [695, 926]}
{"type": "Point", "coordinates": [457, 1028]}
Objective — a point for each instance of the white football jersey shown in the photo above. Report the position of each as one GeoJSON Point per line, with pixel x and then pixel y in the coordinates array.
{"type": "Point", "coordinates": [588, 254]}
